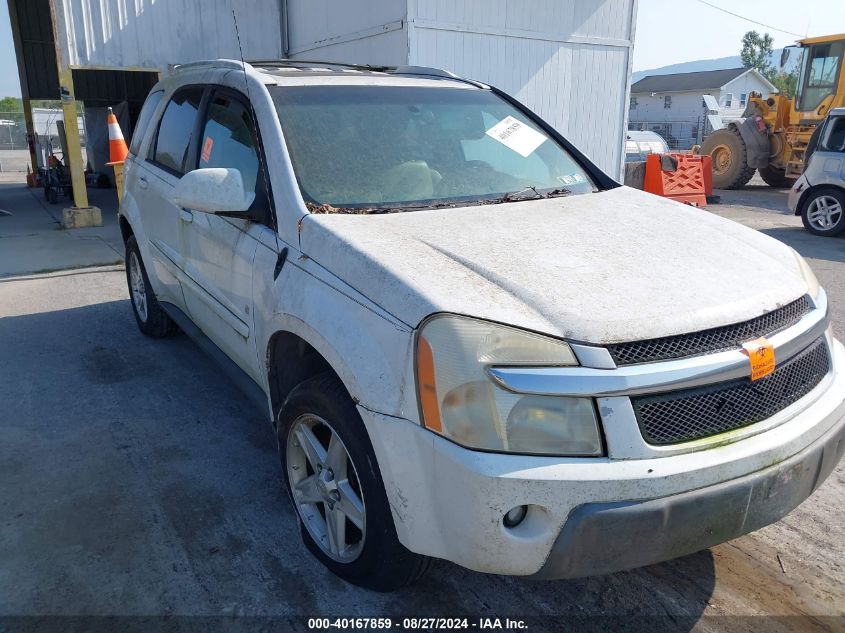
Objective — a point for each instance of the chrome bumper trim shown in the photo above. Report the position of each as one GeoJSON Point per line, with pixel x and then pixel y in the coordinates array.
{"type": "Point", "coordinates": [695, 371]}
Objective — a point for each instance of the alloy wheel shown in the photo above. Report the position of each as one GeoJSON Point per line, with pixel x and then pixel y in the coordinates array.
{"type": "Point", "coordinates": [325, 488]}
{"type": "Point", "coordinates": [137, 286]}
{"type": "Point", "coordinates": [824, 213]}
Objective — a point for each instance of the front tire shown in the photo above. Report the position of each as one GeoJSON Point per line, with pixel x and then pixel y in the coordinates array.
{"type": "Point", "coordinates": [335, 485]}
{"type": "Point", "coordinates": [151, 319]}
{"type": "Point", "coordinates": [729, 158]}
{"type": "Point", "coordinates": [823, 212]}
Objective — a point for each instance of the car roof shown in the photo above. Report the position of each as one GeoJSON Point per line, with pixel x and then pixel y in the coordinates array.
{"type": "Point", "coordinates": [644, 135]}
{"type": "Point", "coordinates": [287, 72]}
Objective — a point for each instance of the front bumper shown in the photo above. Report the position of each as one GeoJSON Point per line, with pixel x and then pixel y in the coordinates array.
{"type": "Point", "coordinates": [669, 527]}
{"type": "Point", "coordinates": [448, 501]}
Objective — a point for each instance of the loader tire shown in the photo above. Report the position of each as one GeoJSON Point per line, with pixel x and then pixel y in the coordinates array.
{"type": "Point", "coordinates": [730, 158]}
{"type": "Point", "coordinates": [774, 177]}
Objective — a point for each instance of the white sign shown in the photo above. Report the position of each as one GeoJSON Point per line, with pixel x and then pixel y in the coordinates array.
{"type": "Point", "coordinates": [516, 135]}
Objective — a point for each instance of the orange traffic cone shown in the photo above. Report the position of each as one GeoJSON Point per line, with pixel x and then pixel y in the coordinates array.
{"type": "Point", "coordinates": [117, 146]}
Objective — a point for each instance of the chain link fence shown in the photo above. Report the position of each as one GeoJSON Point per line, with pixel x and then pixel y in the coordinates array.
{"type": "Point", "coordinates": [14, 149]}
{"type": "Point", "coordinates": [680, 134]}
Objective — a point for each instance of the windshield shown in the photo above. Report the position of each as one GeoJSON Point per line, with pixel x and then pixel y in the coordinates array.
{"type": "Point", "coordinates": [388, 147]}
{"type": "Point", "coordinates": [819, 74]}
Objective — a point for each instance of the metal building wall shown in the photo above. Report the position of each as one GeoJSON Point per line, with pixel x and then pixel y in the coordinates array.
{"type": "Point", "coordinates": [157, 33]}
{"type": "Point", "coordinates": [568, 60]}
{"type": "Point", "coordinates": [361, 31]}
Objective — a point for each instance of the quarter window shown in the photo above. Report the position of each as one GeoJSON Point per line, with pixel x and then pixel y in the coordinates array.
{"type": "Point", "coordinates": [176, 128]}
{"type": "Point", "coordinates": [229, 139]}
{"type": "Point", "coordinates": [144, 118]}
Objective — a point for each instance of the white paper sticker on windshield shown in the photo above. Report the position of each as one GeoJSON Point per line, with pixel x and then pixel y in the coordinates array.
{"type": "Point", "coordinates": [514, 134]}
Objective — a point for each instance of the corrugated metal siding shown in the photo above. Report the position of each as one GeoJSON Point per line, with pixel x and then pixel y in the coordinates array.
{"type": "Point", "coordinates": [568, 61]}
{"type": "Point", "coordinates": [372, 31]}
{"type": "Point", "coordinates": [154, 34]}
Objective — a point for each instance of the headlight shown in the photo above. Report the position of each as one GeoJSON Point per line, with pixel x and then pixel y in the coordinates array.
{"type": "Point", "coordinates": [808, 275]}
{"type": "Point", "coordinates": [459, 400]}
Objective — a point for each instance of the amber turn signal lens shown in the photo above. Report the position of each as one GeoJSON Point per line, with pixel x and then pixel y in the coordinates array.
{"type": "Point", "coordinates": [427, 386]}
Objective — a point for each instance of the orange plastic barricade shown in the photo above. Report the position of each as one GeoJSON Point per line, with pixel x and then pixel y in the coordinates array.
{"type": "Point", "coordinates": [685, 183]}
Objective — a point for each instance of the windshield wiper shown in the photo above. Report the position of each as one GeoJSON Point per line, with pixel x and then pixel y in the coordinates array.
{"type": "Point", "coordinates": [556, 193]}
{"type": "Point", "coordinates": [518, 196]}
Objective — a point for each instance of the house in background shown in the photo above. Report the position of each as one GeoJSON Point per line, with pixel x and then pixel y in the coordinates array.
{"type": "Point", "coordinates": [673, 105]}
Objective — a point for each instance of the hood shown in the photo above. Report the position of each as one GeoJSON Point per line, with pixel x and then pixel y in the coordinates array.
{"type": "Point", "coordinates": [613, 266]}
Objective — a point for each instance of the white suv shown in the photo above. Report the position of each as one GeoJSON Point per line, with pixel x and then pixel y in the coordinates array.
{"type": "Point", "coordinates": [473, 344]}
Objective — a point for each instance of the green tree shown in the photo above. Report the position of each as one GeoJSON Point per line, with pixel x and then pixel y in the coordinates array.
{"type": "Point", "coordinates": [785, 83]}
{"type": "Point", "coordinates": [756, 52]}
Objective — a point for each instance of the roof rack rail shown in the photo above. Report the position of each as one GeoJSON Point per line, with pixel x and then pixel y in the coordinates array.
{"type": "Point", "coordinates": [282, 63]}
{"type": "Point", "coordinates": [217, 63]}
{"type": "Point", "coordinates": [424, 71]}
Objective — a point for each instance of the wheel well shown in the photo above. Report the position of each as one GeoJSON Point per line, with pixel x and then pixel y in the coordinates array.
{"type": "Point", "coordinates": [811, 190]}
{"type": "Point", "coordinates": [125, 229]}
{"type": "Point", "coordinates": [291, 360]}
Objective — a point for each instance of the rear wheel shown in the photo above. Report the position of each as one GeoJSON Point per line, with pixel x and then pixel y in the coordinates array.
{"type": "Point", "coordinates": [334, 482]}
{"type": "Point", "coordinates": [823, 212]}
{"type": "Point", "coordinates": [729, 157]}
{"type": "Point", "coordinates": [774, 177]}
{"type": "Point", "coordinates": [151, 319]}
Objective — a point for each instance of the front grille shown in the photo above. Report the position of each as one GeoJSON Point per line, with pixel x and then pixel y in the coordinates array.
{"type": "Point", "coordinates": [691, 414]}
{"type": "Point", "coordinates": [716, 339]}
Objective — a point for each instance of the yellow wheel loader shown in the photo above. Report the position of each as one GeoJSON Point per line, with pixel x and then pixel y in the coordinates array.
{"type": "Point", "coordinates": [775, 135]}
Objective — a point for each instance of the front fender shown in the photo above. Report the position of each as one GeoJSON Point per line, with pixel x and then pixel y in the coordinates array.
{"type": "Point", "coordinates": [370, 351]}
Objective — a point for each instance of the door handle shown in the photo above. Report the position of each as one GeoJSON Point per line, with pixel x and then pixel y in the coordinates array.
{"type": "Point", "coordinates": [142, 182]}
{"type": "Point", "coordinates": [185, 215]}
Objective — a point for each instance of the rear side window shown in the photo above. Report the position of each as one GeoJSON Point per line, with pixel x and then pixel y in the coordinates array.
{"type": "Point", "coordinates": [834, 135]}
{"type": "Point", "coordinates": [144, 119]}
{"type": "Point", "coordinates": [175, 130]}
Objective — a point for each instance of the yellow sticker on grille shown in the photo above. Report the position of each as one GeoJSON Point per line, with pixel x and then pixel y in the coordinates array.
{"type": "Point", "coordinates": [761, 353]}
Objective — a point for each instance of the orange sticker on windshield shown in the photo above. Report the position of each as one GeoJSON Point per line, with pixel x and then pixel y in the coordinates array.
{"type": "Point", "coordinates": [761, 353]}
{"type": "Point", "coordinates": [206, 149]}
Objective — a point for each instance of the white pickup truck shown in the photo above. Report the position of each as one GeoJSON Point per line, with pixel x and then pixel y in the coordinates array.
{"type": "Point", "coordinates": [473, 344]}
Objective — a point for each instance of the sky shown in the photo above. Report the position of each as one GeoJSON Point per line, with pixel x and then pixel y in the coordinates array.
{"type": "Point", "coordinates": [674, 31]}
{"type": "Point", "coordinates": [668, 31]}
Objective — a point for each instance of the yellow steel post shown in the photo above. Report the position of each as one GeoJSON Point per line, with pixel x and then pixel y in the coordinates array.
{"type": "Point", "coordinates": [74, 148]}
{"type": "Point", "coordinates": [118, 181]}
{"type": "Point", "coordinates": [81, 214]}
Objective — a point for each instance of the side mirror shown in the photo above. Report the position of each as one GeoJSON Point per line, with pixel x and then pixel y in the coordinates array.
{"type": "Point", "coordinates": [213, 190]}
{"type": "Point", "coordinates": [784, 55]}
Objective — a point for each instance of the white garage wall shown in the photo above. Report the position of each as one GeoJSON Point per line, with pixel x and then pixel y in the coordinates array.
{"type": "Point", "coordinates": [157, 33]}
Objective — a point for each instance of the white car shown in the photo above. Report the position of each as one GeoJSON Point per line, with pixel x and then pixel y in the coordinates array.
{"type": "Point", "coordinates": [473, 344]}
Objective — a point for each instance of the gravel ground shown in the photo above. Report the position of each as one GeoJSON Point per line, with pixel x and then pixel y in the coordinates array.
{"type": "Point", "coordinates": [136, 481]}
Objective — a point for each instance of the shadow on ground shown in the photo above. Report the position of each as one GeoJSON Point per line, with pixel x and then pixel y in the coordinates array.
{"type": "Point", "coordinates": [138, 481]}
{"type": "Point", "coordinates": [809, 245]}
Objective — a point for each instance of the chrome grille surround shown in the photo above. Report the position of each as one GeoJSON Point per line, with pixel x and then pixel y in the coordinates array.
{"type": "Point", "coordinates": [691, 414]}
{"type": "Point", "coordinates": [708, 341]}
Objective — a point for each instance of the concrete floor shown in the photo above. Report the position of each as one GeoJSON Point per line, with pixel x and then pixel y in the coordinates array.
{"type": "Point", "coordinates": [136, 481]}
{"type": "Point", "coordinates": [32, 238]}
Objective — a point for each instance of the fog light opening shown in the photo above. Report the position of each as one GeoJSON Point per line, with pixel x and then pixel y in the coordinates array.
{"type": "Point", "coordinates": [515, 516]}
